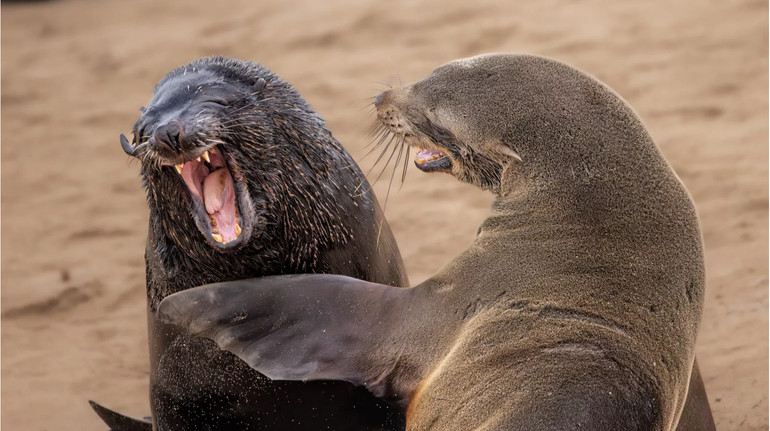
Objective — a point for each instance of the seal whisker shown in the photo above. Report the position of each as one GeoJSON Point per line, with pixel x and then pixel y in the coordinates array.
{"type": "Point", "coordinates": [235, 127]}
{"type": "Point", "coordinates": [375, 130]}
{"type": "Point", "coordinates": [384, 84]}
{"type": "Point", "coordinates": [251, 104]}
{"type": "Point", "coordinates": [382, 139]}
{"type": "Point", "coordinates": [377, 126]}
{"type": "Point", "coordinates": [385, 150]}
{"type": "Point", "coordinates": [252, 94]}
{"type": "Point", "coordinates": [383, 134]}
{"type": "Point", "coordinates": [368, 103]}
{"type": "Point", "coordinates": [395, 167]}
{"type": "Point", "coordinates": [387, 194]}
{"type": "Point", "coordinates": [406, 165]}
{"type": "Point", "coordinates": [237, 121]}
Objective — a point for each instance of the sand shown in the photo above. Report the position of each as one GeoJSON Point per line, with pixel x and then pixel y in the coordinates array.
{"type": "Point", "coordinates": [74, 220]}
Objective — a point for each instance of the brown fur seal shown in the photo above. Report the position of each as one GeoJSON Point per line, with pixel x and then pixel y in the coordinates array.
{"type": "Point", "coordinates": [244, 180]}
{"type": "Point", "coordinates": [577, 306]}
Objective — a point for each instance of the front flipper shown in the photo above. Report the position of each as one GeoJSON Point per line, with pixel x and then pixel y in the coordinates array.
{"type": "Point", "coordinates": [301, 327]}
{"type": "Point", "coordinates": [119, 422]}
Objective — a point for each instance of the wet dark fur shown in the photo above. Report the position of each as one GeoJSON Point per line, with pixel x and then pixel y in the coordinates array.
{"type": "Point", "coordinates": [303, 219]}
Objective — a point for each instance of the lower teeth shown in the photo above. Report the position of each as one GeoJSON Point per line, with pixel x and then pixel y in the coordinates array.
{"type": "Point", "coordinates": [218, 237]}
{"type": "Point", "coordinates": [423, 161]}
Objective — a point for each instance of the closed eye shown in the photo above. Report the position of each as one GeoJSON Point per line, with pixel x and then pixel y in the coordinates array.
{"type": "Point", "coordinates": [220, 102]}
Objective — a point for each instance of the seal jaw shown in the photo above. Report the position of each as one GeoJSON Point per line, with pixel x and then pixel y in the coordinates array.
{"type": "Point", "coordinates": [432, 161]}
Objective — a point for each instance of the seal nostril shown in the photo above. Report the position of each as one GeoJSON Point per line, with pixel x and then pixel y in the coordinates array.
{"type": "Point", "coordinates": [378, 99]}
{"type": "Point", "coordinates": [168, 136]}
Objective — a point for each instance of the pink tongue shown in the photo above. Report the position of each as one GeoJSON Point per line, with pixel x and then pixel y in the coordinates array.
{"type": "Point", "coordinates": [219, 199]}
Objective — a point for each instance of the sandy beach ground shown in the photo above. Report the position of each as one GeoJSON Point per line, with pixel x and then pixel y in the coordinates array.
{"type": "Point", "coordinates": [74, 219]}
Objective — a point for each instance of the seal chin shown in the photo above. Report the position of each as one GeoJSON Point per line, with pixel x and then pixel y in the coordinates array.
{"type": "Point", "coordinates": [218, 195]}
{"type": "Point", "coordinates": [432, 161]}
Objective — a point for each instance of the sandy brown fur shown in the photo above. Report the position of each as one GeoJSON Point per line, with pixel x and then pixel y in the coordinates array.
{"type": "Point", "coordinates": [583, 292]}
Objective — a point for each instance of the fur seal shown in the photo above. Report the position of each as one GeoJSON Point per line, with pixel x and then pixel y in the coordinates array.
{"type": "Point", "coordinates": [577, 305]}
{"type": "Point", "coordinates": [243, 180]}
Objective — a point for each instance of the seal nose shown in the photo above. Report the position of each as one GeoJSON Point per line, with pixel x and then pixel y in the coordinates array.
{"type": "Point", "coordinates": [167, 136]}
{"type": "Point", "coordinates": [378, 99]}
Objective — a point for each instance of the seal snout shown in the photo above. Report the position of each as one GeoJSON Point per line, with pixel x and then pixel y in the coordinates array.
{"type": "Point", "coordinates": [391, 106]}
{"type": "Point", "coordinates": [378, 100]}
{"type": "Point", "coordinates": [204, 170]}
{"type": "Point", "coordinates": [167, 137]}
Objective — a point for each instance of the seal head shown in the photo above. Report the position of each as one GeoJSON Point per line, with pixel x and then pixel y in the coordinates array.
{"type": "Point", "coordinates": [184, 140]}
{"type": "Point", "coordinates": [476, 117]}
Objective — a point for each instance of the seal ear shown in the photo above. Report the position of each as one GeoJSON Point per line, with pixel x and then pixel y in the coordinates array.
{"type": "Point", "coordinates": [260, 84]}
{"type": "Point", "coordinates": [506, 151]}
{"type": "Point", "coordinates": [295, 327]}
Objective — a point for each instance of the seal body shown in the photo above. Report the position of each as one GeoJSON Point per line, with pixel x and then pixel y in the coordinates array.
{"type": "Point", "coordinates": [243, 179]}
{"type": "Point", "coordinates": [576, 307]}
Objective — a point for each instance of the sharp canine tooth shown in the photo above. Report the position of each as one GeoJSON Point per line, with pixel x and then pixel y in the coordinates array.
{"type": "Point", "coordinates": [198, 159]}
{"type": "Point", "coordinates": [206, 156]}
{"type": "Point", "coordinates": [179, 169]}
{"type": "Point", "coordinates": [218, 238]}
{"type": "Point", "coordinates": [237, 229]}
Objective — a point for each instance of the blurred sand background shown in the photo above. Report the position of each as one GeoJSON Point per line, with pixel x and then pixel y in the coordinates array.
{"type": "Point", "coordinates": [74, 220]}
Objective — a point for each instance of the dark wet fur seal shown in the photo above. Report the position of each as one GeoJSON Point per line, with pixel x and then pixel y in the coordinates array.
{"type": "Point", "coordinates": [577, 306]}
{"type": "Point", "coordinates": [243, 180]}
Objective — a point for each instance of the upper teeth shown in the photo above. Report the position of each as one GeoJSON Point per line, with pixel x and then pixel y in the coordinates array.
{"type": "Point", "coordinates": [205, 155]}
{"type": "Point", "coordinates": [422, 160]}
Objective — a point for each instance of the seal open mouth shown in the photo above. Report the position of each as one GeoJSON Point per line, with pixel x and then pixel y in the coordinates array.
{"type": "Point", "coordinates": [432, 161]}
{"type": "Point", "coordinates": [211, 182]}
